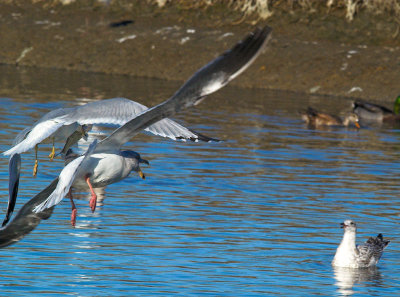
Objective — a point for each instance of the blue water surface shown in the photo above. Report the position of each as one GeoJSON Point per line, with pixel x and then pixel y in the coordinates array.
{"type": "Point", "coordinates": [256, 214]}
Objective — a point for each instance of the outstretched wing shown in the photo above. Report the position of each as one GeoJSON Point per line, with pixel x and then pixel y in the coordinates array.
{"type": "Point", "coordinates": [205, 81]}
{"type": "Point", "coordinates": [115, 111]}
{"type": "Point", "coordinates": [40, 132]}
{"type": "Point", "coordinates": [118, 111]}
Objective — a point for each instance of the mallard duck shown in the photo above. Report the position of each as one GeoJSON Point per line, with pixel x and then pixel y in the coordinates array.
{"type": "Point", "coordinates": [348, 254]}
{"type": "Point", "coordinates": [316, 118]}
{"type": "Point", "coordinates": [374, 112]}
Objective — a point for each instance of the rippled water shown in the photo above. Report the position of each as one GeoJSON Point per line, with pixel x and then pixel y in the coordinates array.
{"type": "Point", "coordinates": [256, 214]}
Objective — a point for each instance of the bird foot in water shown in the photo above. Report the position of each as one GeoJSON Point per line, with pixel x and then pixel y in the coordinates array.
{"type": "Point", "coordinates": [73, 217]}
{"type": "Point", "coordinates": [93, 202]}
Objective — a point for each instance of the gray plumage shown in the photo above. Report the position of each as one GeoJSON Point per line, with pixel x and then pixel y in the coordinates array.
{"type": "Point", "coordinates": [372, 112]}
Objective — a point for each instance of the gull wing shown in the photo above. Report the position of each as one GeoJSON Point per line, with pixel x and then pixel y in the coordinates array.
{"type": "Point", "coordinates": [118, 111]}
{"type": "Point", "coordinates": [205, 81]}
{"type": "Point", "coordinates": [115, 111]}
{"type": "Point", "coordinates": [14, 168]}
{"type": "Point", "coordinates": [39, 132]}
{"type": "Point", "coordinates": [372, 250]}
{"type": "Point", "coordinates": [26, 220]}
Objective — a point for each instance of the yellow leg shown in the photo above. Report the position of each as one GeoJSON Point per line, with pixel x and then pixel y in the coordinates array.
{"type": "Point", "coordinates": [36, 161]}
{"type": "Point", "coordinates": [53, 152]}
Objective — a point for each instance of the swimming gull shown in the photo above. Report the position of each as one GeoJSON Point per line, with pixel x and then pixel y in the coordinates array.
{"type": "Point", "coordinates": [70, 124]}
{"type": "Point", "coordinates": [205, 81]}
{"type": "Point", "coordinates": [350, 255]}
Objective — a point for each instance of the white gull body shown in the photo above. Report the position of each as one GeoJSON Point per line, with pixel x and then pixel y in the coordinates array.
{"type": "Point", "coordinates": [108, 168]}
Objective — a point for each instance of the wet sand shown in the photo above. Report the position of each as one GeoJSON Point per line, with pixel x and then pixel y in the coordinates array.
{"type": "Point", "coordinates": [309, 53]}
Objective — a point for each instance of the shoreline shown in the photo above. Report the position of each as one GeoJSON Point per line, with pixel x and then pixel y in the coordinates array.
{"type": "Point", "coordinates": [322, 55]}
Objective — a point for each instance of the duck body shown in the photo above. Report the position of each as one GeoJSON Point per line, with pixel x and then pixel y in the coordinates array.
{"type": "Point", "coordinates": [374, 112]}
{"type": "Point", "coordinates": [316, 118]}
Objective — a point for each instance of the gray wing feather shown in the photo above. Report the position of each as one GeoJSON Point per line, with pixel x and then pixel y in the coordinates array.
{"type": "Point", "coordinates": [205, 81]}
{"type": "Point", "coordinates": [118, 111]}
{"type": "Point", "coordinates": [371, 250]}
{"type": "Point", "coordinates": [14, 168]}
{"type": "Point", "coordinates": [26, 220]}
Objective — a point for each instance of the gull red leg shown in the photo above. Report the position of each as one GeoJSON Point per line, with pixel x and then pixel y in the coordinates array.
{"type": "Point", "coordinates": [93, 199]}
{"type": "Point", "coordinates": [74, 211]}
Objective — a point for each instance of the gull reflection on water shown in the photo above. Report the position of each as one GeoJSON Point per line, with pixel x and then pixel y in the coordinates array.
{"type": "Point", "coordinates": [346, 278]}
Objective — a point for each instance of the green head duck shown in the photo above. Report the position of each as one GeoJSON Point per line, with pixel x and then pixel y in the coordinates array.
{"type": "Point", "coordinates": [396, 108]}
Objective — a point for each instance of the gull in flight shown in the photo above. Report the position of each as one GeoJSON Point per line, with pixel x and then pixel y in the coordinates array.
{"type": "Point", "coordinates": [71, 124]}
{"type": "Point", "coordinates": [350, 255]}
{"type": "Point", "coordinates": [205, 81]}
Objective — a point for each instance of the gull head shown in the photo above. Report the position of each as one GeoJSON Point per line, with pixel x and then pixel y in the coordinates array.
{"type": "Point", "coordinates": [134, 160]}
{"type": "Point", "coordinates": [349, 226]}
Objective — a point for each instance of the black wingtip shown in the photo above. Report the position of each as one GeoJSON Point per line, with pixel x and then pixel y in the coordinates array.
{"type": "Point", "coordinates": [202, 137]}
{"type": "Point", "coordinates": [205, 138]}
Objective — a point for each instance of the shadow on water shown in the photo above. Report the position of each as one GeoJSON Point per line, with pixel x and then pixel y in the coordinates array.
{"type": "Point", "coordinates": [256, 214]}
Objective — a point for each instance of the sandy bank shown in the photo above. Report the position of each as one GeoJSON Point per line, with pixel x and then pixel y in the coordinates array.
{"type": "Point", "coordinates": [311, 53]}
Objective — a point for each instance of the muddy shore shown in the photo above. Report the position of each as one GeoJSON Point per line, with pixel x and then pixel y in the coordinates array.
{"type": "Point", "coordinates": [309, 53]}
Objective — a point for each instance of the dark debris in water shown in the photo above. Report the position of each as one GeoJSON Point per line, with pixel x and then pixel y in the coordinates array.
{"type": "Point", "coordinates": [121, 23]}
